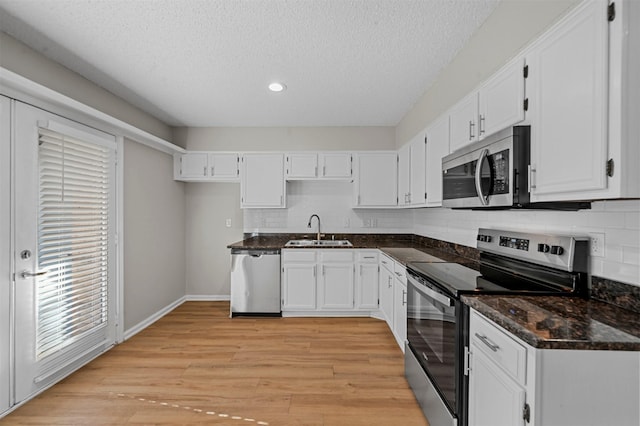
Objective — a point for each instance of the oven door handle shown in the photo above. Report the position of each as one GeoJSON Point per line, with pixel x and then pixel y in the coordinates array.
{"type": "Point", "coordinates": [483, 199]}
{"type": "Point", "coordinates": [441, 298]}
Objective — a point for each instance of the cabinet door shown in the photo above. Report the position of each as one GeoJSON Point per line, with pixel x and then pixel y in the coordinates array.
{"type": "Point", "coordinates": [404, 175]}
{"type": "Point", "coordinates": [400, 311]}
{"type": "Point", "coordinates": [464, 119]}
{"type": "Point", "coordinates": [299, 287]}
{"type": "Point", "coordinates": [568, 103]}
{"type": "Point", "coordinates": [385, 289]}
{"type": "Point", "coordinates": [223, 166]}
{"type": "Point", "coordinates": [501, 99]}
{"type": "Point", "coordinates": [367, 286]}
{"type": "Point", "coordinates": [437, 147]}
{"type": "Point", "coordinates": [494, 398]}
{"type": "Point", "coordinates": [376, 180]}
{"type": "Point", "coordinates": [336, 286]}
{"type": "Point", "coordinates": [262, 183]}
{"type": "Point", "coordinates": [302, 166]}
{"type": "Point", "coordinates": [335, 165]}
{"type": "Point", "coordinates": [417, 170]}
{"type": "Point", "coordinates": [194, 165]}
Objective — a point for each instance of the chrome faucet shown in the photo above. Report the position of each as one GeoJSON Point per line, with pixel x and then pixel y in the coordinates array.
{"type": "Point", "coordinates": [309, 224]}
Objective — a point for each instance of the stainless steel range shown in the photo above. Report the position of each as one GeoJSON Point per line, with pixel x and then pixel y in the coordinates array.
{"type": "Point", "coordinates": [437, 322]}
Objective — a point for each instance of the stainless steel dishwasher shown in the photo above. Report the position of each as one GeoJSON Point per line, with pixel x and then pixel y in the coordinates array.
{"type": "Point", "coordinates": [255, 282]}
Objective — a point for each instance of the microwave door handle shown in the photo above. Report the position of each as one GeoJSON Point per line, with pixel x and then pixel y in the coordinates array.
{"type": "Point", "coordinates": [481, 196]}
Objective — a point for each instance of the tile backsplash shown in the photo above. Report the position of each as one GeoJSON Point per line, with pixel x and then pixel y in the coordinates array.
{"type": "Point", "coordinates": [618, 221]}
{"type": "Point", "coordinates": [333, 202]}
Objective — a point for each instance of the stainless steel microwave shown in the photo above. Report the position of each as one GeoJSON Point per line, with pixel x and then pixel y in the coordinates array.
{"type": "Point", "coordinates": [492, 172]}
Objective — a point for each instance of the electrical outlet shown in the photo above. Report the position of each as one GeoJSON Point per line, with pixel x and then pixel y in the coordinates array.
{"type": "Point", "coordinates": [596, 244]}
{"type": "Point", "coordinates": [347, 223]}
{"type": "Point", "coordinates": [227, 223]}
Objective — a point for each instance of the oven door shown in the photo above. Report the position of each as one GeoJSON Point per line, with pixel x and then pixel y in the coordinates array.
{"type": "Point", "coordinates": [433, 336]}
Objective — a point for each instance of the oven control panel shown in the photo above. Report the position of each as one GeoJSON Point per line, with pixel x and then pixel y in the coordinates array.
{"type": "Point", "coordinates": [514, 243]}
{"type": "Point", "coordinates": [566, 252]}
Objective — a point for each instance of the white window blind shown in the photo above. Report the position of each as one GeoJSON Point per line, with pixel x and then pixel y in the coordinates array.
{"type": "Point", "coordinates": [75, 186]}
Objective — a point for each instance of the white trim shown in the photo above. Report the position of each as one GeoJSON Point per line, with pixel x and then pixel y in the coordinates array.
{"type": "Point", "coordinates": [119, 337]}
{"type": "Point", "coordinates": [153, 318]}
{"type": "Point", "coordinates": [207, 298]}
{"type": "Point", "coordinates": [18, 87]}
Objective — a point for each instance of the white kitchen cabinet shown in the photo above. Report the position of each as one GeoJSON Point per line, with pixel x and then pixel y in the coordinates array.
{"type": "Point", "coordinates": [6, 327]}
{"type": "Point", "coordinates": [336, 280]}
{"type": "Point", "coordinates": [385, 289]}
{"type": "Point", "coordinates": [367, 280]}
{"type": "Point", "coordinates": [299, 271]}
{"type": "Point", "coordinates": [568, 101]}
{"type": "Point", "coordinates": [400, 310]}
{"type": "Point", "coordinates": [463, 118]}
{"type": "Point", "coordinates": [335, 165]}
{"type": "Point", "coordinates": [206, 166]}
{"type": "Point", "coordinates": [404, 175]}
{"type": "Point", "coordinates": [417, 171]}
{"type": "Point", "coordinates": [437, 146]}
{"type": "Point", "coordinates": [510, 380]}
{"type": "Point", "coordinates": [322, 165]}
{"type": "Point", "coordinates": [501, 99]}
{"type": "Point", "coordinates": [263, 184]}
{"type": "Point", "coordinates": [301, 166]}
{"type": "Point", "coordinates": [376, 179]}
{"type": "Point", "coordinates": [584, 100]}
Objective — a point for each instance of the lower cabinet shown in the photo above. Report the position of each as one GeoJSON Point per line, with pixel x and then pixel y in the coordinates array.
{"type": "Point", "coordinates": [385, 290]}
{"type": "Point", "coordinates": [329, 281]}
{"type": "Point", "coordinates": [511, 383]}
{"type": "Point", "coordinates": [392, 285]}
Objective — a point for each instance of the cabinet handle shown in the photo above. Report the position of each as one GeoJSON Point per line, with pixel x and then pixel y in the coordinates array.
{"type": "Point", "coordinates": [213, 168]}
{"type": "Point", "coordinates": [404, 297]}
{"type": "Point", "coordinates": [398, 274]}
{"type": "Point", "coordinates": [315, 171]}
{"type": "Point", "coordinates": [314, 271]}
{"type": "Point", "coordinates": [389, 281]}
{"type": "Point", "coordinates": [323, 270]}
{"type": "Point", "coordinates": [489, 343]}
{"type": "Point", "coordinates": [204, 171]}
{"type": "Point", "coordinates": [369, 257]}
{"type": "Point", "coordinates": [531, 171]}
{"type": "Point", "coordinates": [324, 170]}
{"type": "Point", "coordinates": [481, 124]}
{"type": "Point", "coordinates": [471, 126]}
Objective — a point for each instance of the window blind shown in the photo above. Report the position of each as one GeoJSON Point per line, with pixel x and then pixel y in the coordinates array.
{"type": "Point", "coordinates": [73, 240]}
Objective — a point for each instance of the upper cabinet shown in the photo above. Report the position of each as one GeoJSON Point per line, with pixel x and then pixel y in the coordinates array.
{"type": "Point", "coordinates": [404, 175]}
{"type": "Point", "coordinates": [206, 166]}
{"type": "Point", "coordinates": [501, 101]}
{"type": "Point", "coordinates": [437, 146]}
{"type": "Point", "coordinates": [583, 94]}
{"type": "Point", "coordinates": [262, 184]}
{"type": "Point", "coordinates": [323, 165]}
{"type": "Point", "coordinates": [411, 173]}
{"type": "Point", "coordinates": [496, 105]}
{"type": "Point", "coordinates": [376, 177]}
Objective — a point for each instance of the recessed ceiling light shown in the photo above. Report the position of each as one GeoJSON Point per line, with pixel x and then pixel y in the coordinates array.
{"type": "Point", "coordinates": [277, 87]}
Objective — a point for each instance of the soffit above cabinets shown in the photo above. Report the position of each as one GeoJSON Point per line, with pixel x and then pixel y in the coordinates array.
{"type": "Point", "coordinates": [208, 63]}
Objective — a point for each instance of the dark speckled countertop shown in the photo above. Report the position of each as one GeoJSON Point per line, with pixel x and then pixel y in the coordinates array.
{"type": "Point", "coordinates": [555, 322]}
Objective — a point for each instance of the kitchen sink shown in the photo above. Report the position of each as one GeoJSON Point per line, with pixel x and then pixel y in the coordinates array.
{"type": "Point", "coordinates": [318, 243]}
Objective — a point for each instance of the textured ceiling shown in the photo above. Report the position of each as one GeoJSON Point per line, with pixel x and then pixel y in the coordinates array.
{"type": "Point", "coordinates": [208, 62]}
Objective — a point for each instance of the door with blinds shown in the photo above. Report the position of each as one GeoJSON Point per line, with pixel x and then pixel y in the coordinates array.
{"type": "Point", "coordinates": [64, 251]}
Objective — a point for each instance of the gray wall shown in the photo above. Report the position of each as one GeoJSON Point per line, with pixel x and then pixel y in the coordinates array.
{"type": "Point", "coordinates": [21, 59]}
{"type": "Point", "coordinates": [154, 234]}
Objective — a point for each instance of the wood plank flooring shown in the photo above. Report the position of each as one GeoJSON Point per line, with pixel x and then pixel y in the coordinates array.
{"type": "Point", "coordinates": [198, 366]}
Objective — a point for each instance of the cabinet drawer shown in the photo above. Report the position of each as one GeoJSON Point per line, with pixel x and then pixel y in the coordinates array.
{"type": "Point", "coordinates": [336, 255]}
{"type": "Point", "coordinates": [299, 255]}
{"type": "Point", "coordinates": [367, 256]}
{"type": "Point", "coordinates": [386, 262]}
{"type": "Point", "coordinates": [501, 348]}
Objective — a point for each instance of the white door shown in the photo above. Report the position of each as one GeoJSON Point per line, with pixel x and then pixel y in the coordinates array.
{"type": "Point", "coordinates": [223, 166]}
{"type": "Point", "coordinates": [5, 256]}
{"type": "Point", "coordinates": [335, 165]}
{"type": "Point", "coordinates": [464, 119]}
{"type": "Point", "coordinates": [437, 147]}
{"type": "Point", "coordinates": [336, 286]}
{"type": "Point", "coordinates": [299, 286]}
{"type": "Point", "coordinates": [404, 175]}
{"type": "Point", "coordinates": [385, 290]}
{"type": "Point", "coordinates": [262, 183]}
{"type": "Point", "coordinates": [377, 179]}
{"type": "Point", "coordinates": [400, 311]}
{"type": "Point", "coordinates": [64, 251]}
{"type": "Point", "coordinates": [193, 165]}
{"type": "Point", "coordinates": [417, 169]}
{"type": "Point", "coordinates": [302, 166]}
{"type": "Point", "coordinates": [367, 286]}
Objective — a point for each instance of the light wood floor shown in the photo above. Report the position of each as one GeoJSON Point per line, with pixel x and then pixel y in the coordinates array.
{"type": "Point", "coordinates": [197, 366]}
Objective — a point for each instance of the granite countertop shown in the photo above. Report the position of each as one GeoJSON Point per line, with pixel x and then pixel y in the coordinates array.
{"type": "Point", "coordinates": [555, 322]}
{"type": "Point", "coordinates": [401, 248]}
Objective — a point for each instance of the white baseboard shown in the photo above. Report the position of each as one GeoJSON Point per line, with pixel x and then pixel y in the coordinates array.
{"type": "Point", "coordinates": [153, 318]}
{"type": "Point", "coordinates": [206, 298]}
